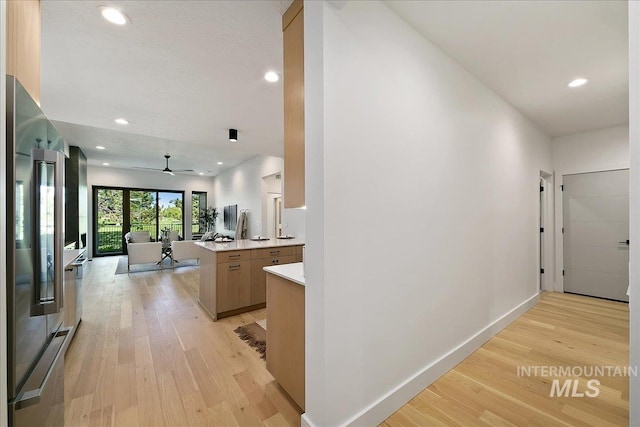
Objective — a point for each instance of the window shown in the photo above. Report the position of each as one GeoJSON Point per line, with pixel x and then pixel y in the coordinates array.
{"type": "Point", "coordinates": [198, 207]}
{"type": "Point", "coordinates": [108, 222]}
{"type": "Point", "coordinates": [120, 210]}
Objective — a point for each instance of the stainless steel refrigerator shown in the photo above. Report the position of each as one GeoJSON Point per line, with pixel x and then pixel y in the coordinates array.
{"type": "Point", "coordinates": [35, 214]}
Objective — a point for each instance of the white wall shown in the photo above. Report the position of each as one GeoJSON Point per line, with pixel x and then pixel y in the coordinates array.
{"type": "Point", "coordinates": [634, 204]}
{"type": "Point", "coordinates": [598, 150]}
{"type": "Point", "coordinates": [593, 151]}
{"type": "Point", "coordinates": [243, 185]}
{"type": "Point", "coordinates": [103, 176]}
{"type": "Point", "coordinates": [399, 127]}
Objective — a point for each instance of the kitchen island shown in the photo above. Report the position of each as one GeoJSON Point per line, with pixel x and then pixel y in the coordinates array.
{"type": "Point", "coordinates": [232, 279]}
{"type": "Point", "coordinates": [285, 328]}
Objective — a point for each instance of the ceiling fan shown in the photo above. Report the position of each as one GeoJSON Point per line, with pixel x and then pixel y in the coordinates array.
{"type": "Point", "coordinates": [166, 169]}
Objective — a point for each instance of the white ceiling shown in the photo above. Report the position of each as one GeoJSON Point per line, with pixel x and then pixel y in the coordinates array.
{"type": "Point", "coordinates": [527, 52]}
{"type": "Point", "coordinates": [183, 72]}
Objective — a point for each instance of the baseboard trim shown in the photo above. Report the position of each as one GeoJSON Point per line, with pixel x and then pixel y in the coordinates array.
{"type": "Point", "coordinates": [305, 421]}
{"type": "Point", "coordinates": [382, 408]}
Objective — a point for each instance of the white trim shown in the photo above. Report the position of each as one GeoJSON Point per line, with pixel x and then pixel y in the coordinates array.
{"type": "Point", "coordinates": [548, 279]}
{"type": "Point", "coordinates": [305, 421]}
{"type": "Point", "coordinates": [3, 219]}
{"type": "Point", "coordinates": [634, 206]}
{"type": "Point", "coordinates": [386, 405]}
{"type": "Point", "coordinates": [558, 285]}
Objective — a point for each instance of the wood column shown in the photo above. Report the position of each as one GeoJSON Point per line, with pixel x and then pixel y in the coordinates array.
{"type": "Point", "coordinates": [23, 44]}
{"type": "Point", "coordinates": [293, 41]}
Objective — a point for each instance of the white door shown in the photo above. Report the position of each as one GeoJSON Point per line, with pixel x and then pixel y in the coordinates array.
{"type": "Point", "coordinates": [596, 232]}
{"type": "Point", "coordinates": [277, 209]}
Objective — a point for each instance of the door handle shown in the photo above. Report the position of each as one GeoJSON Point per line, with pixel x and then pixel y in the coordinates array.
{"type": "Point", "coordinates": [42, 161]}
{"type": "Point", "coordinates": [626, 242]}
{"type": "Point", "coordinates": [32, 397]}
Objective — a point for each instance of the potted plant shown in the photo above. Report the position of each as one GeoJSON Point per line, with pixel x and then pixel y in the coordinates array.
{"type": "Point", "coordinates": [208, 217]}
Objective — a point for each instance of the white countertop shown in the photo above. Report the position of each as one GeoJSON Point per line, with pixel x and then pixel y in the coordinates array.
{"type": "Point", "coordinates": [292, 272]}
{"type": "Point", "coordinates": [69, 255]}
{"type": "Point", "coordinates": [247, 244]}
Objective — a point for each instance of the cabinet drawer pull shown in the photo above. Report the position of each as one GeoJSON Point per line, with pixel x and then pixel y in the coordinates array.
{"type": "Point", "coordinates": [275, 261]}
{"type": "Point", "coordinates": [274, 252]}
{"type": "Point", "coordinates": [234, 256]}
{"type": "Point", "coordinates": [234, 267]}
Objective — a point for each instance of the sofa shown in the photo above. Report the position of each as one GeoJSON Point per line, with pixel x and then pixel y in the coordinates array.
{"type": "Point", "coordinates": [141, 249]}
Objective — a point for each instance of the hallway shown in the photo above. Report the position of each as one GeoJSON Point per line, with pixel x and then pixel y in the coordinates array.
{"type": "Point", "coordinates": [562, 330]}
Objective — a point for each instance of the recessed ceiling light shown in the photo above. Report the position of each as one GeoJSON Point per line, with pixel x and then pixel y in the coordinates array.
{"type": "Point", "coordinates": [105, 164]}
{"type": "Point", "coordinates": [201, 173]}
{"type": "Point", "coordinates": [100, 147]}
{"type": "Point", "coordinates": [271, 76]}
{"type": "Point", "coordinates": [113, 15]}
{"type": "Point", "coordinates": [122, 121]}
{"type": "Point", "coordinates": [578, 82]}
{"type": "Point", "coordinates": [220, 163]}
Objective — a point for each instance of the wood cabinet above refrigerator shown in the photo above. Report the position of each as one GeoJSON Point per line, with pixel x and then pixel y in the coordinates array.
{"type": "Point", "coordinates": [293, 41]}
{"type": "Point", "coordinates": [23, 44]}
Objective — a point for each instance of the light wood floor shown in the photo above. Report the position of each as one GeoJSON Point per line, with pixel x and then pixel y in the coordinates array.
{"type": "Point", "coordinates": [146, 354]}
{"type": "Point", "coordinates": [562, 330]}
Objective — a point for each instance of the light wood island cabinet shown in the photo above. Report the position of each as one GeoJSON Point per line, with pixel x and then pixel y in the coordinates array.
{"type": "Point", "coordinates": [261, 258]}
{"type": "Point", "coordinates": [233, 285]}
{"type": "Point", "coordinates": [285, 329]}
{"type": "Point", "coordinates": [232, 279]}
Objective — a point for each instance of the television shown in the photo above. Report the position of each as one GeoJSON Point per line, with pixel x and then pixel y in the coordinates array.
{"type": "Point", "coordinates": [230, 213]}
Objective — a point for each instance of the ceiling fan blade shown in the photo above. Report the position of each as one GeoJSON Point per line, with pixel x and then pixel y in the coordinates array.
{"type": "Point", "coordinates": [166, 169]}
{"type": "Point", "coordinates": [150, 169]}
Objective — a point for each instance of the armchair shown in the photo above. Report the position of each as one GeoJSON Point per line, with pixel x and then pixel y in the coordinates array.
{"type": "Point", "coordinates": [142, 250]}
{"type": "Point", "coordinates": [137, 237]}
{"type": "Point", "coordinates": [184, 249]}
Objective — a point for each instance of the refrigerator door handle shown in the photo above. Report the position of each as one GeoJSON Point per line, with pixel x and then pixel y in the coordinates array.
{"type": "Point", "coordinates": [52, 354]}
{"type": "Point", "coordinates": [43, 161]}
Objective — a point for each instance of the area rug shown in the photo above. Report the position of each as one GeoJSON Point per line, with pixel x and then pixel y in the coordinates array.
{"type": "Point", "coordinates": [137, 268]}
{"type": "Point", "coordinates": [255, 334]}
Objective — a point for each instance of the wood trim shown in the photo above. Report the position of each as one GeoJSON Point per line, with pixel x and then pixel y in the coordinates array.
{"type": "Point", "coordinates": [293, 10]}
{"type": "Point", "coordinates": [241, 310]}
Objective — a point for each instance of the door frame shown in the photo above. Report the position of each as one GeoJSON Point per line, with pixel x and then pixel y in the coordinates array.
{"type": "Point", "coordinates": [126, 191]}
{"type": "Point", "coordinates": [559, 215]}
{"type": "Point", "coordinates": [545, 240]}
